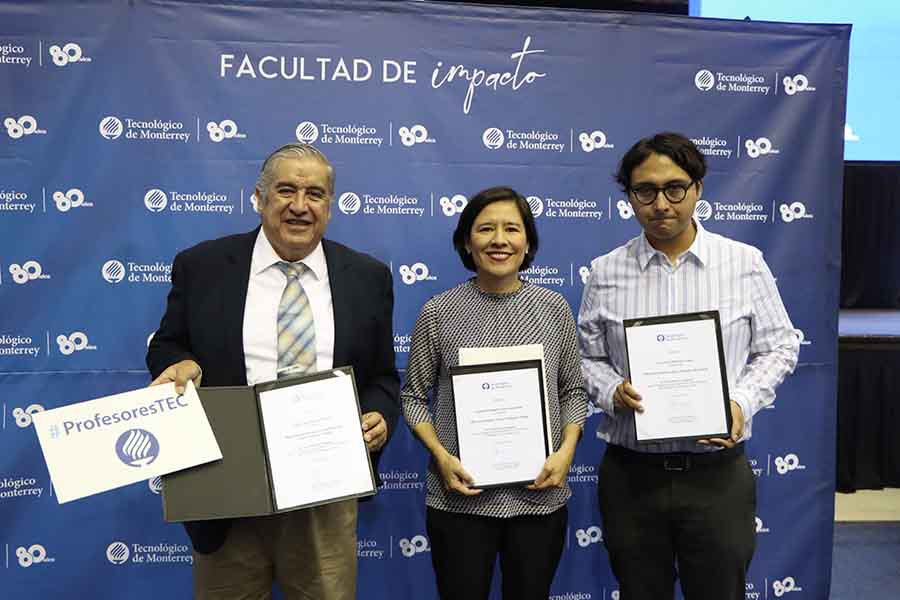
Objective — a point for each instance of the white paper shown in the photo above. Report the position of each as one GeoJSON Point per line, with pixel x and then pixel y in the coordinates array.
{"type": "Point", "coordinates": [98, 445]}
{"type": "Point", "coordinates": [315, 442]}
{"type": "Point", "coordinates": [500, 425]}
{"type": "Point", "coordinates": [675, 368]}
{"type": "Point", "coordinates": [487, 356]}
{"type": "Point", "coordinates": [484, 356]}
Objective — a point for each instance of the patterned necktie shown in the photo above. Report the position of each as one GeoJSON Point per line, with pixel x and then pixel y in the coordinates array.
{"type": "Point", "coordinates": [296, 328]}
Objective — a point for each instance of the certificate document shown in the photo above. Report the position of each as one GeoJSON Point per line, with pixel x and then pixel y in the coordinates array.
{"type": "Point", "coordinates": [500, 421]}
{"type": "Point", "coordinates": [314, 441]}
{"type": "Point", "coordinates": [501, 354]}
{"type": "Point", "coordinates": [677, 365]}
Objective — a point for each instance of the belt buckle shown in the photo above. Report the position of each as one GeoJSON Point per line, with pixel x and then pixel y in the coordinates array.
{"type": "Point", "coordinates": [678, 462]}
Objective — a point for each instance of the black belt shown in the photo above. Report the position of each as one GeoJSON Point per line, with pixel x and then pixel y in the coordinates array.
{"type": "Point", "coordinates": [679, 461]}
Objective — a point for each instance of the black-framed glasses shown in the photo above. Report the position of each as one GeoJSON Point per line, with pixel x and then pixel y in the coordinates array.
{"type": "Point", "coordinates": [674, 192]}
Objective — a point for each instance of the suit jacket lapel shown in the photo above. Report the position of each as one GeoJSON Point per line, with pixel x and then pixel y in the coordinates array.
{"type": "Point", "coordinates": [341, 301]}
{"type": "Point", "coordinates": [234, 295]}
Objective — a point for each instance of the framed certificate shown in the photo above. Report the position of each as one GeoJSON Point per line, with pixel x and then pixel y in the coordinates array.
{"type": "Point", "coordinates": [501, 424]}
{"type": "Point", "coordinates": [286, 445]}
{"type": "Point", "coordinates": [677, 365]}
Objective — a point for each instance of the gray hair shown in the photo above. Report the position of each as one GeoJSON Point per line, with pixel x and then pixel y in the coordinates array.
{"type": "Point", "coordinates": [267, 172]}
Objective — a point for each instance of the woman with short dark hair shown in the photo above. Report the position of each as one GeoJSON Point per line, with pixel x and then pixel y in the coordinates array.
{"type": "Point", "coordinates": [526, 525]}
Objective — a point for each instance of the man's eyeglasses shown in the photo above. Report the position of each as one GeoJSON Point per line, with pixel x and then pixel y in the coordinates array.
{"type": "Point", "coordinates": [674, 192]}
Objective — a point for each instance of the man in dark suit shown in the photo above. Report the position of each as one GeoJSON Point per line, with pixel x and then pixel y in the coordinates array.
{"type": "Point", "coordinates": [231, 320]}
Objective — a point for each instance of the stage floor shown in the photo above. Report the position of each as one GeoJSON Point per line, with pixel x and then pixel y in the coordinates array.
{"type": "Point", "coordinates": [865, 323]}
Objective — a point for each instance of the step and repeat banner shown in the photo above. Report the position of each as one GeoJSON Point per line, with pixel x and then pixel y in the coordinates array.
{"type": "Point", "coordinates": [134, 129]}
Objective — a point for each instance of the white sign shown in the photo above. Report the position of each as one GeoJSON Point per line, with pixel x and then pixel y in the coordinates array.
{"type": "Point", "coordinates": [102, 444]}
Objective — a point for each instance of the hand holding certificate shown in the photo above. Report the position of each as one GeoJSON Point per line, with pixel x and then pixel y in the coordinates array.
{"type": "Point", "coordinates": [677, 364]}
{"type": "Point", "coordinates": [286, 444]}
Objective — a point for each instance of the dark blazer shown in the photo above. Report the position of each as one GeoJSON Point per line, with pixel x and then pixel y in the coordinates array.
{"type": "Point", "coordinates": [204, 322]}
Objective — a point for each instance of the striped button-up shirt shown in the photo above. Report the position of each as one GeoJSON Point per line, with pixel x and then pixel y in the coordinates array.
{"type": "Point", "coordinates": [715, 273]}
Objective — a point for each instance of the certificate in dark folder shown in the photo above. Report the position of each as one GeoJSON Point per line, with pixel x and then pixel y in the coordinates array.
{"type": "Point", "coordinates": [677, 364]}
{"type": "Point", "coordinates": [287, 444]}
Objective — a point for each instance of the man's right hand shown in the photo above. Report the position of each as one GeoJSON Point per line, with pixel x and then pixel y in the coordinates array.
{"type": "Point", "coordinates": [180, 373]}
{"type": "Point", "coordinates": [626, 396]}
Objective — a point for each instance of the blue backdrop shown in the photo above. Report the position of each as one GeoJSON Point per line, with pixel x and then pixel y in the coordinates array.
{"type": "Point", "coordinates": [135, 129]}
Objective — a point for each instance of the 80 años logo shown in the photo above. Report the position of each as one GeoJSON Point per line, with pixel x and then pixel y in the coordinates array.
{"type": "Point", "coordinates": [416, 545]}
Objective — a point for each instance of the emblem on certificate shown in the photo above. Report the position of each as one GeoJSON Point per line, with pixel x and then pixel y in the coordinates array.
{"type": "Point", "coordinates": [677, 365]}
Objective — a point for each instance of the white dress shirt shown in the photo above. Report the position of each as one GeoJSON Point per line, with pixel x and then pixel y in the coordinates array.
{"type": "Point", "coordinates": [715, 273]}
{"type": "Point", "coordinates": [264, 291]}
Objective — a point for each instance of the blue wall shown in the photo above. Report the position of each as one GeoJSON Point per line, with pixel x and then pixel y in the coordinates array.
{"type": "Point", "coordinates": [125, 98]}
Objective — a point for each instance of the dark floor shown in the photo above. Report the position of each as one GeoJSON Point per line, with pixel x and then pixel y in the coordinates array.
{"type": "Point", "coordinates": [866, 561]}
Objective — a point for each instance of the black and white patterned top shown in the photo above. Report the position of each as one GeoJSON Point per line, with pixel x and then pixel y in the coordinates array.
{"type": "Point", "coordinates": [467, 317]}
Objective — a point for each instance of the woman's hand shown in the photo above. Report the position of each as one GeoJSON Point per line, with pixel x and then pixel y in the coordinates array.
{"type": "Point", "coordinates": [456, 478]}
{"type": "Point", "coordinates": [556, 467]}
{"type": "Point", "coordinates": [555, 471]}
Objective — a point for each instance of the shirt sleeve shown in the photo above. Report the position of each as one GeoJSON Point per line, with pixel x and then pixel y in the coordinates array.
{"type": "Point", "coordinates": [570, 382]}
{"type": "Point", "coordinates": [422, 368]}
{"type": "Point", "coordinates": [600, 377]}
{"type": "Point", "coordinates": [774, 345]}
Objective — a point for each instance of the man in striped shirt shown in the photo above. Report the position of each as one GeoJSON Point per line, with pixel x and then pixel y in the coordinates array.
{"type": "Point", "coordinates": [685, 506]}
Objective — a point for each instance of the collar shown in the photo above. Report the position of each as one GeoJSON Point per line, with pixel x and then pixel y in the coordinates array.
{"type": "Point", "coordinates": [264, 256]}
{"type": "Point", "coordinates": [699, 248]}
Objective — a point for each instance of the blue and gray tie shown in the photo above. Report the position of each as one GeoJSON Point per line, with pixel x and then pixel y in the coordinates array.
{"type": "Point", "coordinates": [296, 328]}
